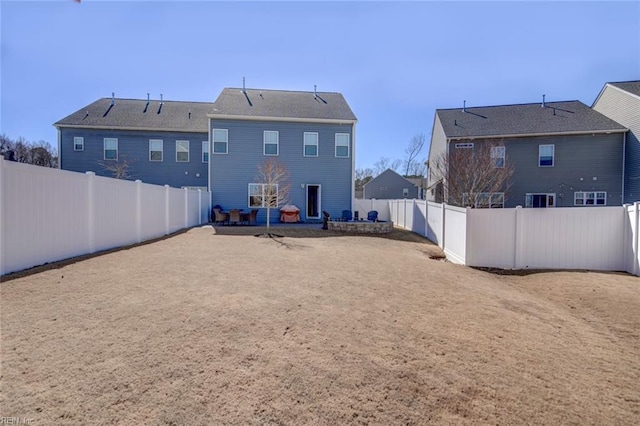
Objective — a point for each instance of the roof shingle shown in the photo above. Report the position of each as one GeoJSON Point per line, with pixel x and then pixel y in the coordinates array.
{"type": "Point", "coordinates": [282, 104]}
{"type": "Point", "coordinates": [632, 87]}
{"type": "Point", "coordinates": [136, 114]}
{"type": "Point", "coordinates": [524, 119]}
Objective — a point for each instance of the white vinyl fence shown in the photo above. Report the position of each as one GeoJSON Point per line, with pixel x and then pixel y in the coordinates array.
{"type": "Point", "coordinates": [48, 215]}
{"type": "Point", "coordinates": [597, 238]}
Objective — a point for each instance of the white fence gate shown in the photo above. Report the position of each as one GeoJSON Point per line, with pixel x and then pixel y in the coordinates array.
{"type": "Point", "coordinates": [48, 215]}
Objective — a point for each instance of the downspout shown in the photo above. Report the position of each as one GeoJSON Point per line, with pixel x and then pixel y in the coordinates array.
{"type": "Point", "coordinates": [209, 167]}
{"type": "Point", "coordinates": [624, 155]}
{"type": "Point", "coordinates": [353, 165]}
{"type": "Point", "coordinates": [59, 149]}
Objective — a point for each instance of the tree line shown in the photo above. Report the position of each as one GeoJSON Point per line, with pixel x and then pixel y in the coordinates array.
{"type": "Point", "coordinates": [39, 153]}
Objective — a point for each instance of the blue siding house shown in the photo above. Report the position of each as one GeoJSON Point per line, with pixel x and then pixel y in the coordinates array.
{"type": "Point", "coordinates": [390, 185]}
{"type": "Point", "coordinates": [312, 134]}
{"type": "Point", "coordinates": [563, 154]}
{"type": "Point", "coordinates": [219, 146]}
{"type": "Point", "coordinates": [158, 142]}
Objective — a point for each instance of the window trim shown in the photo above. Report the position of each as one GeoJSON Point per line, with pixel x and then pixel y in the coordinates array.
{"type": "Point", "coordinates": [553, 155]}
{"type": "Point", "coordinates": [496, 158]}
{"type": "Point", "coordinates": [104, 149]}
{"type": "Point", "coordinates": [528, 199]}
{"type": "Point", "coordinates": [76, 144]}
{"type": "Point", "coordinates": [205, 150]}
{"type": "Point", "coordinates": [490, 200]}
{"type": "Point", "coordinates": [213, 142]}
{"type": "Point", "coordinates": [348, 145]}
{"type": "Point", "coordinates": [584, 198]}
{"type": "Point", "coordinates": [467, 145]}
{"type": "Point", "coordinates": [305, 144]}
{"type": "Point", "coordinates": [262, 195]}
{"type": "Point", "coordinates": [161, 150]}
{"type": "Point", "coordinates": [188, 151]}
{"type": "Point", "coordinates": [264, 143]}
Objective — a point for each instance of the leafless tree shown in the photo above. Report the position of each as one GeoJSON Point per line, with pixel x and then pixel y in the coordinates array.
{"type": "Point", "coordinates": [413, 166]}
{"type": "Point", "coordinates": [385, 163]}
{"type": "Point", "coordinates": [119, 169]}
{"type": "Point", "coordinates": [362, 177]}
{"type": "Point", "coordinates": [274, 187]}
{"type": "Point", "coordinates": [37, 153]}
{"type": "Point", "coordinates": [469, 174]}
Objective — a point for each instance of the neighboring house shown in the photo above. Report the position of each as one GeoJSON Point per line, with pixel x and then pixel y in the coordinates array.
{"type": "Point", "coordinates": [158, 142]}
{"type": "Point", "coordinates": [621, 102]}
{"type": "Point", "coordinates": [390, 185]}
{"type": "Point", "coordinates": [311, 133]}
{"type": "Point", "coordinates": [563, 153]}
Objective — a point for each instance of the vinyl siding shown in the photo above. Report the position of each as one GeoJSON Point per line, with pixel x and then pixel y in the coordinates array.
{"type": "Point", "coordinates": [437, 146]}
{"type": "Point", "coordinates": [577, 160]}
{"type": "Point", "coordinates": [389, 185]}
{"type": "Point", "coordinates": [624, 108]}
{"type": "Point", "coordinates": [231, 173]}
{"type": "Point", "coordinates": [133, 146]}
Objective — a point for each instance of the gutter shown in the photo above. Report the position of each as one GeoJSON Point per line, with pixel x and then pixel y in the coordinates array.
{"type": "Point", "coordinates": [283, 119]}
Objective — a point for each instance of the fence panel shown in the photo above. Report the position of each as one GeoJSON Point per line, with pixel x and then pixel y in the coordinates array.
{"type": "Point", "coordinates": [419, 225]}
{"type": "Point", "coordinates": [572, 238]}
{"type": "Point", "coordinates": [365, 206]}
{"type": "Point", "coordinates": [455, 231]}
{"type": "Point", "coordinates": [43, 216]}
{"type": "Point", "coordinates": [115, 212]}
{"type": "Point", "coordinates": [176, 209]}
{"type": "Point", "coordinates": [491, 237]}
{"type": "Point", "coordinates": [152, 211]}
{"type": "Point", "coordinates": [435, 222]}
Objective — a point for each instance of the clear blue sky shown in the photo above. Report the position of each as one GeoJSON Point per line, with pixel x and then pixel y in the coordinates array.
{"type": "Point", "coordinates": [395, 62]}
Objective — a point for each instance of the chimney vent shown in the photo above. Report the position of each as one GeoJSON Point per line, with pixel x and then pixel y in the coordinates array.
{"type": "Point", "coordinates": [113, 98]}
{"type": "Point", "coordinates": [189, 113]}
{"type": "Point", "coordinates": [244, 89]}
{"type": "Point", "coordinates": [315, 93]}
{"type": "Point", "coordinates": [464, 106]}
{"type": "Point", "coordinates": [544, 105]}
{"type": "Point", "coordinates": [161, 102]}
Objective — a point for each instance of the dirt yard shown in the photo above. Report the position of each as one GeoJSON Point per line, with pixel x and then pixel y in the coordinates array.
{"type": "Point", "coordinates": [213, 327]}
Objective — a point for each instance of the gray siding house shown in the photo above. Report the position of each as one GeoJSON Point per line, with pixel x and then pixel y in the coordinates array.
{"type": "Point", "coordinates": [621, 102]}
{"type": "Point", "coordinates": [158, 142]}
{"type": "Point", "coordinates": [563, 153]}
{"type": "Point", "coordinates": [311, 133]}
{"type": "Point", "coordinates": [390, 185]}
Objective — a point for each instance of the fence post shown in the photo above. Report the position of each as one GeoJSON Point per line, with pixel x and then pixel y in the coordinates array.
{"type": "Point", "coordinates": [186, 208]}
{"type": "Point", "coordinates": [2, 228]}
{"type": "Point", "coordinates": [636, 234]}
{"type": "Point", "coordinates": [517, 239]}
{"type": "Point", "coordinates": [426, 218]}
{"type": "Point", "coordinates": [166, 210]}
{"type": "Point", "coordinates": [404, 219]}
{"type": "Point", "coordinates": [199, 206]}
{"type": "Point", "coordinates": [139, 210]}
{"type": "Point", "coordinates": [91, 207]}
{"type": "Point", "coordinates": [442, 216]}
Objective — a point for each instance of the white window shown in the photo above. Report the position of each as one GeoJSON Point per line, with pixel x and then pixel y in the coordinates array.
{"type": "Point", "coordinates": [310, 144]}
{"type": "Point", "coordinates": [182, 151]}
{"type": "Point", "coordinates": [464, 145]}
{"type": "Point", "coordinates": [205, 151]}
{"type": "Point", "coordinates": [220, 141]}
{"type": "Point", "coordinates": [485, 200]}
{"type": "Point", "coordinates": [271, 142]}
{"type": "Point", "coordinates": [497, 156]}
{"type": "Point", "coordinates": [342, 145]}
{"type": "Point", "coordinates": [582, 198]}
{"type": "Point", "coordinates": [155, 149]}
{"type": "Point", "coordinates": [545, 155]}
{"type": "Point", "coordinates": [110, 148]}
{"type": "Point", "coordinates": [78, 143]}
{"type": "Point", "coordinates": [263, 195]}
{"type": "Point", "coordinates": [540, 200]}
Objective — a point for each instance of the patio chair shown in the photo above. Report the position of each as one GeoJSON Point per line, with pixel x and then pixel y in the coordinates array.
{"type": "Point", "coordinates": [346, 215]}
{"type": "Point", "coordinates": [372, 215]}
{"type": "Point", "coordinates": [325, 219]}
{"type": "Point", "coordinates": [253, 217]}
{"type": "Point", "coordinates": [234, 216]}
{"type": "Point", "coordinates": [219, 217]}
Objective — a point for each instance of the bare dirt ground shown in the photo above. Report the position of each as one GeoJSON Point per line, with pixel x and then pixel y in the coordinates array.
{"type": "Point", "coordinates": [212, 327]}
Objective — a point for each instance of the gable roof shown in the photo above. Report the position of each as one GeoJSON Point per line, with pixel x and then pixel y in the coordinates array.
{"type": "Point", "coordinates": [392, 173]}
{"type": "Point", "coordinates": [281, 105]}
{"type": "Point", "coordinates": [632, 87]}
{"type": "Point", "coordinates": [570, 117]}
{"type": "Point", "coordinates": [135, 114]}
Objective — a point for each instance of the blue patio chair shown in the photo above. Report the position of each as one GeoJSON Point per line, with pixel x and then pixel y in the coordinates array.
{"type": "Point", "coordinates": [346, 215]}
{"type": "Point", "coordinates": [372, 215]}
